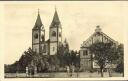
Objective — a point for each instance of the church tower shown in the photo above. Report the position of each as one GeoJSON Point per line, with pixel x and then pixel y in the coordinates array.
{"type": "Point", "coordinates": [38, 36]}
{"type": "Point", "coordinates": [55, 34]}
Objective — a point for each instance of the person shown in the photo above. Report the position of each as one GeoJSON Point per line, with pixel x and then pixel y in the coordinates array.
{"type": "Point", "coordinates": [68, 70]}
{"type": "Point", "coordinates": [73, 69]}
{"type": "Point", "coordinates": [26, 71]}
{"type": "Point", "coordinates": [32, 71]}
{"type": "Point", "coordinates": [29, 70]}
{"type": "Point", "coordinates": [77, 71]}
{"type": "Point", "coordinates": [98, 72]}
{"type": "Point", "coordinates": [35, 70]}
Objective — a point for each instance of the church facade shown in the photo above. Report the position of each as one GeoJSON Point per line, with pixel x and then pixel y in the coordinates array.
{"type": "Point", "coordinates": [50, 46]}
{"type": "Point", "coordinates": [86, 62]}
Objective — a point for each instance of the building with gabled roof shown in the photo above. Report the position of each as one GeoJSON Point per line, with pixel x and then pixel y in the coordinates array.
{"type": "Point", "coordinates": [86, 62]}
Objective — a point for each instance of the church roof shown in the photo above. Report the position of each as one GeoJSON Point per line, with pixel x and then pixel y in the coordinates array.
{"type": "Point", "coordinates": [55, 20]}
{"type": "Point", "coordinates": [38, 22]}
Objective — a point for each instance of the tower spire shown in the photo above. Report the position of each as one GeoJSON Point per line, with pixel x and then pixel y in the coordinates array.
{"type": "Point", "coordinates": [38, 22]}
{"type": "Point", "coordinates": [55, 20]}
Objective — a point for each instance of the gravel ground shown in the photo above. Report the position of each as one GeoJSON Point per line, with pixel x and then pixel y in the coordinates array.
{"type": "Point", "coordinates": [61, 75]}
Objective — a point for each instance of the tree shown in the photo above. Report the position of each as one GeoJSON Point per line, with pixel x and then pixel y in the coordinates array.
{"type": "Point", "coordinates": [25, 59]}
{"type": "Point", "coordinates": [74, 58]}
{"type": "Point", "coordinates": [104, 54]}
{"type": "Point", "coordinates": [64, 55]}
{"type": "Point", "coordinates": [120, 66]}
{"type": "Point", "coordinates": [28, 59]}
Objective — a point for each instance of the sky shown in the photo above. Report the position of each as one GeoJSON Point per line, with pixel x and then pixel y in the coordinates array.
{"type": "Point", "coordinates": [78, 19]}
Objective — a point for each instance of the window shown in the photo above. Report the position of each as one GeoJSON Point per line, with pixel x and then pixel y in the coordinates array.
{"type": "Point", "coordinates": [98, 33]}
{"type": "Point", "coordinates": [53, 33]}
{"type": "Point", "coordinates": [36, 36]}
{"type": "Point", "coordinates": [35, 50]}
{"type": "Point", "coordinates": [53, 48]}
{"type": "Point", "coordinates": [42, 37]}
{"type": "Point", "coordinates": [60, 34]}
{"type": "Point", "coordinates": [85, 52]}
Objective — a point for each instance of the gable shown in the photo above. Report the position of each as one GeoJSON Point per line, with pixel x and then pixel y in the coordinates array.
{"type": "Point", "coordinates": [98, 37]}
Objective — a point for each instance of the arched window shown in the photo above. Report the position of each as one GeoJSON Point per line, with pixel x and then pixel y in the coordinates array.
{"type": "Point", "coordinates": [42, 38]}
{"type": "Point", "coordinates": [53, 33]}
{"type": "Point", "coordinates": [36, 36]}
{"type": "Point", "coordinates": [59, 34]}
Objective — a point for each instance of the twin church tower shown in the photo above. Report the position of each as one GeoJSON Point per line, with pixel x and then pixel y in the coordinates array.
{"type": "Point", "coordinates": [51, 46]}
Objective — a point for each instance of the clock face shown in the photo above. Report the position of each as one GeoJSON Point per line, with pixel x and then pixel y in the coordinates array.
{"type": "Point", "coordinates": [36, 36]}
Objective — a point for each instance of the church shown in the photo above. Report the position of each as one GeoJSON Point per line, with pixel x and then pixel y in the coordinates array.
{"type": "Point", "coordinates": [50, 46]}
{"type": "Point", "coordinates": [85, 56]}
